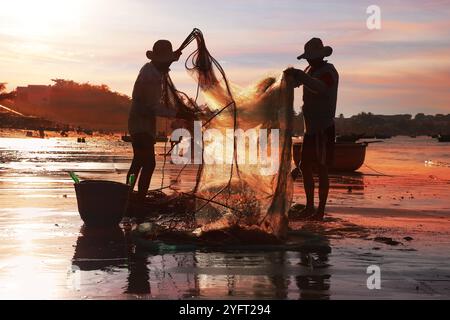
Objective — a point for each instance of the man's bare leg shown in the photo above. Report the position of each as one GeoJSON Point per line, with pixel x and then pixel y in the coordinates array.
{"type": "Point", "coordinates": [308, 184]}
{"type": "Point", "coordinates": [146, 173]}
{"type": "Point", "coordinates": [135, 167]}
{"type": "Point", "coordinates": [324, 186]}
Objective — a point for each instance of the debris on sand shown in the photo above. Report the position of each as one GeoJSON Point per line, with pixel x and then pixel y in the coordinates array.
{"type": "Point", "coordinates": [387, 240]}
{"type": "Point", "coordinates": [161, 207]}
{"type": "Point", "coordinates": [231, 238]}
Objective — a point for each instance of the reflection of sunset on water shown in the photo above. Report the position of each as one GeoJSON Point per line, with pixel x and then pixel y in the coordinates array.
{"type": "Point", "coordinates": [42, 239]}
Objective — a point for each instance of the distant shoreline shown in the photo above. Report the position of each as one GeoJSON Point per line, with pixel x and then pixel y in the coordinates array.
{"type": "Point", "coordinates": [22, 133]}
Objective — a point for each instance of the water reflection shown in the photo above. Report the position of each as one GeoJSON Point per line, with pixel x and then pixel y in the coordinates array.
{"type": "Point", "coordinates": [314, 286]}
{"type": "Point", "coordinates": [344, 188]}
{"type": "Point", "coordinates": [138, 281]}
{"type": "Point", "coordinates": [100, 248]}
{"type": "Point", "coordinates": [204, 274]}
{"type": "Point", "coordinates": [349, 182]}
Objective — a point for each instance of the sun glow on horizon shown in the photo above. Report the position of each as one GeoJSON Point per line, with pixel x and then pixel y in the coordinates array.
{"type": "Point", "coordinates": [44, 18]}
{"type": "Point", "coordinates": [401, 68]}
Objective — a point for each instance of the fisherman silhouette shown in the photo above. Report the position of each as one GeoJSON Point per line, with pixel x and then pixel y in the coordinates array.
{"type": "Point", "coordinates": [320, 85]}
{"type": "Point", "coordinates": [148, 101]}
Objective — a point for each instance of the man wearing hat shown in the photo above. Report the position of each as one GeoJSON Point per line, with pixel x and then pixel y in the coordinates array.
{"type": "Point", "coordinates": [320, 85]}
{"type": "Point", "coordinates": [148, 101]}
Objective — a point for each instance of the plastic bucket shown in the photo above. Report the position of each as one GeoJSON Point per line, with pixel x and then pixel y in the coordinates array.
{"type": "Point", "coordinates": [101, 203]}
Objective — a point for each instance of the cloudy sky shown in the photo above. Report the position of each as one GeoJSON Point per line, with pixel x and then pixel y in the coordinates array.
{"type": "Point", "coordinates": [402, 68]}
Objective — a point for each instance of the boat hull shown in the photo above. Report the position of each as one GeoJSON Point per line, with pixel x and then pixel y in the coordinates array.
{"type": "Point", "coordinates": [348, 157]}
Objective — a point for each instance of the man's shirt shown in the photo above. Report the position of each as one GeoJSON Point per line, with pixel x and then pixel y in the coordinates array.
{"type": "Point", "coordinates": [146, 103]}
{"type": "Point", "coordinates": [319, 108]}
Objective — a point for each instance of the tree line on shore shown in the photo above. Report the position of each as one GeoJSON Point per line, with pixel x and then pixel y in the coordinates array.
{"type": "Point", "coordinates": [74, 104]}
{"type": "Point", "coordinates": [99, 108]}
{"type": "Point", "coordinates": [369, 124]}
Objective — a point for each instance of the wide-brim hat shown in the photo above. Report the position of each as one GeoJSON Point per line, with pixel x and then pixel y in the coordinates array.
{"type": "Point", "coordinates": [162, 52]}
{"type": "Point", "coordinates": [315, 49]}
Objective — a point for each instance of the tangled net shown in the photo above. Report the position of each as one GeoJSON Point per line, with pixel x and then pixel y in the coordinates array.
{"type": "Point", "coordinates": [236, 194]}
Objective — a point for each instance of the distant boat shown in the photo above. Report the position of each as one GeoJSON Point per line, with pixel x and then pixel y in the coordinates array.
{"type": "Point", "coordinates": [382, 136]}
{"type": "Point", "coordinates": [348, 156]}
{"type": "Point", "coordinates": [126, 138]}
{"type": "Point", "coordinates": [443, 137]}
{"type": "Point", "coordinates": [161, 138]}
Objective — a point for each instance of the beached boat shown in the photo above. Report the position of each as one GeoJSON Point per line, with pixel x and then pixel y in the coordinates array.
{"type": "Point", "coordinates": [348, 156]}
{"type": "Point", "coordinates": [349, 138]}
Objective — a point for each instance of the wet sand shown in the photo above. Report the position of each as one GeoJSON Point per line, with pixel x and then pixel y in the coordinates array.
{"type": "Point", "coordinates": [45, 253]}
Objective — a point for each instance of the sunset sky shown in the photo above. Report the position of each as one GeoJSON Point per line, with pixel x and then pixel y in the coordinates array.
{"type": "Point", "coordinates": [402, 68]}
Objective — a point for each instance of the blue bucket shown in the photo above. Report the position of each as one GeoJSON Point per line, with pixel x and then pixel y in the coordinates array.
{"type": "Point", "coordinates": [101, 203]}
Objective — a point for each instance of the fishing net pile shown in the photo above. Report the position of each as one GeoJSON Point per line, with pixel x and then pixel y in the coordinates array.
{"type": "Point", "coordinates": [244, 179]}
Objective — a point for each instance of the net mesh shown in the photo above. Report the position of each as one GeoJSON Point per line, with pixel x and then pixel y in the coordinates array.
{"type": "Point", "coordinates": [244, 179]}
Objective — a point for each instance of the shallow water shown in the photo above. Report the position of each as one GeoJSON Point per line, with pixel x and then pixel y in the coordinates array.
{"type": "Point", "coordinates": [45, 254]}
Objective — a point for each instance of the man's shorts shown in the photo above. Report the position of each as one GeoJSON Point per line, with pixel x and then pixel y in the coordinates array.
{"type": "Point", "coordinates": [319, 148]}
{"type": "Point", "coordinates": [142, 140]}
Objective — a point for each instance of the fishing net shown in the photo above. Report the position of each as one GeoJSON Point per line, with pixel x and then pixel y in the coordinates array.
{"type": "Point", "coordinates": [244, 177]}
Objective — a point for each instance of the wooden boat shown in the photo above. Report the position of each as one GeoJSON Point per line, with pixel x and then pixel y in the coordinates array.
{"type": "Point", "coordinates": [443, 137]}
{"type": "Point", "coordinates": [349, 138]}
{"type": "Point", "coordinates": [348, 156]}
